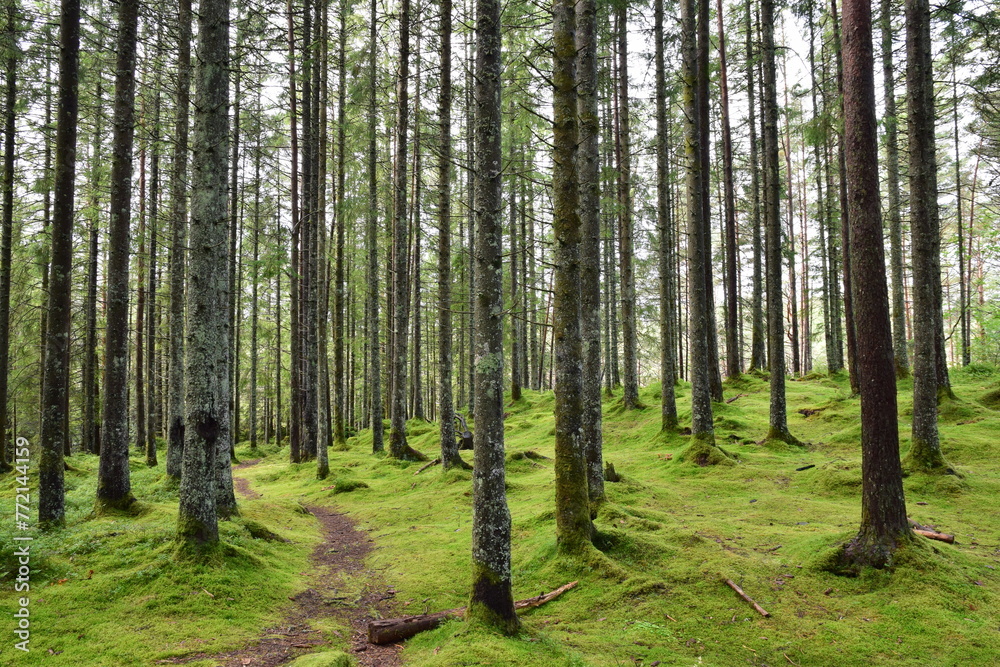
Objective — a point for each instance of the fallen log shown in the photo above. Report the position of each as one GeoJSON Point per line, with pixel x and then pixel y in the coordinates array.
{"type": "Point", "coordinates": [934, 535]}
{"type": "Point", "coordinates": [391, 630]}
{"type": "Point", "coordinates": [435, 462]}
{"type": "Point", "coordinates": [749, 600]}
{"type": "Point", "coordinates": [930, 533]}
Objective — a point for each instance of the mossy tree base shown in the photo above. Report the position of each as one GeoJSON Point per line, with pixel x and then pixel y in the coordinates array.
{"type": "Point", "coordinates": [867, 549]}
{"type": "Point", "coordinates": [455, 463]}
{"type": "Point", "coordinates": [492, 602]}
{"type": "Point", "coordinates": [704, 452]}
{"type": "Point", "coordinates": [126, 504]}
{"type": "Point", "coordinates": [407, 453]}
{"type": "Point", "coordinates": [775, 436]}
{"type": "Point", "coordinates": [926, 460]}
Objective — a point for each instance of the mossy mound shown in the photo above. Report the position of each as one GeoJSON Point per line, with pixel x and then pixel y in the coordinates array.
{"type": "Point", "coordinates": [704, 452]}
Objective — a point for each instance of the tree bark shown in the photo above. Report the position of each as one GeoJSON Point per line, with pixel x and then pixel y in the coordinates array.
{"type": "Point", "coordinates": [491, 601]}
{"type": "Point", "coordinates": [371, 243]}
{"type": "Point", "coordinates": [758, 357]}
{"type": "Point", "coordinates": [178, 195]}
{"type": "Point", "coordinates": [207, 331]}
{"type": "Point", "coordinates": [778, 422]}
{"type": "Point", "coordinates": [588, 168]}
{"type": "Point", "coordinates": [626, 250]}
{"type": "Point", "coordinates": [113, 484]}
{"type": "Point", "coordinates": [925, 451]}
{"type": "Point", "coordinates": [10, 151]}
{"type": "Point", "coordinates": [893, 204]}
{"type": "Point", "coordinates": [883, 513]}
{"type": "Point", "coordinates": [732, 310]}
{"type": "Point", "coordinates": [398, 448]}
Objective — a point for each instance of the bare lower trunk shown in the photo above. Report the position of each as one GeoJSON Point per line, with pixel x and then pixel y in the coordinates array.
{"type": "Point", "coordinates": [113, 485]}
{"type": "Point", "coordinates": [491, 601]}
{"type": "Point", "coordinates": [207, 334]}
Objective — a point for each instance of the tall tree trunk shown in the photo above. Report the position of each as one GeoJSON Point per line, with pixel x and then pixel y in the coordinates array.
{"type": "Point", "coordinates": [207, 331]}
{"type": "Point", "coordinates": [178, 241]}
{"type": "Point", "coordinates": [573, 524]}
{"type": "Point", "coordinates": [883, 511]}
{"type": "Point", "coordinates": [140, 307]}
{"type": "Point", "coordinates": [255, 278]}
{"type": "Point", "coordinates": [758, 357]}
{"type": "Point", "coordinates": [893, 204]}
{"type": "Point", "coordinates": [696, 178]}
{"type": "Point", "coordinates": [845, 218]}
{"type": "Point", "coordinates": [778, 427]}
{"type": "Point", "coordinates": [371, 243]}
{"type": "Point", "coordinates": [515, 341]}
{"type": "Point", "coordinates": [55, 403]}
{"type": "Point", "coordinates": [294, 277]}
{"type": "Point", "coordinates": [589, 174]}
{"type": "Point", "coordinates": [397, 437]}
{"type": "Point", "coordinates": [626, 249]}
{"type": "Point", "coordinates": [491, 601]}
{"type": "Point", "coordinates": [113, 484]}
{"type": "Point", "coordinates": [789, 250]}
{"type": "Point", "coordinates": [732, 310]}
{"type": "Point", "coordinates": [963, 289]}
{"type": "Point", "coordinates": [91, 423]}
{"type": "Point", "coordinates": [925, 452]}
{"type": "Point", "coordinates": [664, 223]}
{"type": "Point", "coordinates": [449, 446]}
{"type": "Point", "coordinates": [9, 136]}
{"type": "Point", "coordinates": [339, 437]}
{"type": "Point", "coordinates": [154, 211]}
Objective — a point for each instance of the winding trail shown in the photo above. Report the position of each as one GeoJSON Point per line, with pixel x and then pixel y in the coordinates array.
{"type": "Point", "coordinates": [338, 564]}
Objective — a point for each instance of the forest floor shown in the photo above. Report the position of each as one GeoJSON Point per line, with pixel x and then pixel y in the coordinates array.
{"type": "Point", "coordinates": [308, 561]}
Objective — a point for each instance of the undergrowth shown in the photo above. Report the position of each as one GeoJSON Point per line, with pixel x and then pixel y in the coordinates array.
{"type": "Point", "coordinates": [107, 590]}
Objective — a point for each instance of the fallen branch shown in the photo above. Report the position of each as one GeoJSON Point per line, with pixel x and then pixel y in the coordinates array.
{"type": "Point", "coordinates": [749, 600]}
{"type": "Point", "coordinates": [934, 535]}
{"type": "Point", "coordinates": [390, 630]}
{"type": "Point", "coordinates": [730, 400]}
{"type": "Point", "coordinates": [930, 533]}
{"type": "Point", "coordinates": [424, 467]}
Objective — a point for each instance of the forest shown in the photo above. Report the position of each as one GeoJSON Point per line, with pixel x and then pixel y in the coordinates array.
{"type": "Point", "coordinates": [457, 332]}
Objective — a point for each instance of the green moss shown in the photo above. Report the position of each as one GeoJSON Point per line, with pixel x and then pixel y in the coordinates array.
{"type": "Point", "coordinates": [323, 659]}
{"type": "Point", "coordinates": [664, 536]}
{"type": "Point", "coordinates": [704, 452]}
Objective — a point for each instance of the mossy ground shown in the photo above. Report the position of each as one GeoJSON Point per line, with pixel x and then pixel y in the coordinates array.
{"type": "Point", "coordinates": [668, 533]}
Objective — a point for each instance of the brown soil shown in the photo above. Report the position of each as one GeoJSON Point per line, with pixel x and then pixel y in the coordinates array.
{"type": "Point", "coordinates": [338, 559]}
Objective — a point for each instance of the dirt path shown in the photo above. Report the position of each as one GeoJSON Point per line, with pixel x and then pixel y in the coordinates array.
{"type": "Point", "coordinates": [337, 563]}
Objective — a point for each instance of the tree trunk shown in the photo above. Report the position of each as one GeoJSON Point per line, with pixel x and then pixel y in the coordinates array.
{"type": "Point", "coordinates": [294, 277]}
{"type": "Point", "coordinates": [702, 428]}
{"type": "Point", "coordinates": [778, 426]}
{"type": "Point", "coordinates": [113, 485]}
{"type": "Point", "coordinates": [140, 307]}
{"type": "Point", "coordinates": [758, 360]}
{"type": "Point", "coordinates": [588, 167]}
{"type": "Point", "coordinates": [704, 81]}
{"type": "Point", "coordinates": [626, 251]}
{"type": "Point", "coordinates": [925, 452]}
{"type": "Point", "coordinates": [207, 331]}
{"type": "Point", "coordinates": [371, 243]}
{"type": "Point", "coordinates": [845, 235]}
{"type": "Point", "coordinates": [491, 601]}
{"type": "Point", "coordinates": [154, 210]}
{"type": "Point", "coordinates": [732, 310]}
{"type": "Point", "coordinates": [178, 195]}
{"type": "Point", "coordinates": [883, 513]}
{"type": "Point", "coordinates": [398, 448]}
{"type": "Point", "coordinates": [893, 204]}
{"type": "Point", "coordinates": [339, 437]}
{"type": "Point", "coordinates": [9, 136]}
